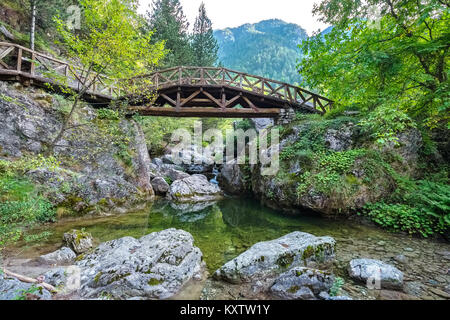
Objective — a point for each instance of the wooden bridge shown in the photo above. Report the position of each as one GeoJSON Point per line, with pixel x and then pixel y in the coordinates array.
{"type": "Point", "coordinates": [176, 92]}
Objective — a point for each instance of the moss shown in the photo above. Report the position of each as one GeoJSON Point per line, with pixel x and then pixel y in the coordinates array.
{"type": "Point", "coordinates": [118, 277]}
{"type": "Point", "coordinates": [97, 277]}
{"type": "Point", "coordinates": [308, 252]}
{"type": "Point", "coordinates": [80, 257]}
{"type": "Point", "coordinates": [285, 260]}
{"type": "Point", "coordinates": [154, 282]}
{"type": "Point", "coordinates": [293, 289]}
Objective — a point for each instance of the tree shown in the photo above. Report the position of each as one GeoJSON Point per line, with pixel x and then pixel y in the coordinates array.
{"type": "Point", "coordinates": [169, 24]}
{"type": "Point", "coordinates": [204, 44]}
{"type": "Point", "coordinates": [396, 60]}
{"type": "Point", "coordinates": [111, 44]}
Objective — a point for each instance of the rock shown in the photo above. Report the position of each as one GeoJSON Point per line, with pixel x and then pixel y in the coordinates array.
{"type": "Point", "coordinates": [175, 175]}
{"type": "Point", "coordinates": [142, 162]}
{"type": "Point", "coordinates": [79, 241]}
{"type": "Point", "coordinates": [167, 159]}
{"type": "Point", "coordinates": [160, 186]}
{"type": "Point", "coordinates": [89, 169]}
{"type": "Point", "coordinates": [339, 298]}
{"type": "Point", "coordinates": [395, 295]}
{"type": "Point", "coordinates": [401, 259]}
{"type": "Point", "coordinates": [339, 140]}
{"type": "Point", "coordinates": [155, 266]}
{"type": "Point", "coordinates": [262, 123]}
{"type": "Point", "coordinates": [302, 284]}
{"type": "Point", "coordinates": [64, 255]}
{"type": "Point", "coordinates": [440, 293]}
{"type": "Point", "coordinates": [12, 289]}
{"type": "Point", "coordinates": [447, 288]}
{"type": "Point", "coordinates": [56, 277]}
{"type": "Point", "coordinates": [231, 179]}
{"type": "Point", "coordinates": [270, 258]}
{"type": "Point", "coordinates": [194, 188]}
{"type": "Point", "coordinates": [6, 33]}
{"type": "Point", "coordinates": [389, 277]}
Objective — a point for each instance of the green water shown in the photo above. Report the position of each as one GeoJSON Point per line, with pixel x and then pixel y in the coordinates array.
{"type": "Point", "coordinates": [222, 230]}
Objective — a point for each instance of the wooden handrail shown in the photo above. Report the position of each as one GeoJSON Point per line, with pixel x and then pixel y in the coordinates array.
{"type": "Point", "coordinates": [176, 76]}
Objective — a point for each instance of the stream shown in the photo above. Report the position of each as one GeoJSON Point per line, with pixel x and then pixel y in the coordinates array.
{"type": "Point", "coordinates": [227, 228]}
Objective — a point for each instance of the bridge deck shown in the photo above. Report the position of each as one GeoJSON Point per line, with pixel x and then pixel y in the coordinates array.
{"type": "Point", "coordinates": [189, 91]}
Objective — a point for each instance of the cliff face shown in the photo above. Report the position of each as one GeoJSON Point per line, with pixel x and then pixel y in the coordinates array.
{"type": "Point", "coordinates": [328, 166]}
{"type": "Point", "coordinates": [100, 162]}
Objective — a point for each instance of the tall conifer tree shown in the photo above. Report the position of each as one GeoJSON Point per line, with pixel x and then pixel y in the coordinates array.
{"type": "Point", "coordinates": [170, 24]}
{"type": "Point", "coordinates": [204, 45]}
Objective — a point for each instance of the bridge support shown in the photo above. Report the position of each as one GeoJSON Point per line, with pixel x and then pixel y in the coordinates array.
{"type": "Point", "coordinates": [287, 115]}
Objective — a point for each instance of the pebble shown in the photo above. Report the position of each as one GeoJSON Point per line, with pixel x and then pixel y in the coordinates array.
{"type": "Point", "coordinates": [439, 292]}
{"type": "Point", "coordinates": [401, 258]}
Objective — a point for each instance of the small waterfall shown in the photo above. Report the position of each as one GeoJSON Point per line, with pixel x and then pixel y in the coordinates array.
{"type": "Point", "coordinates": [215, 172]}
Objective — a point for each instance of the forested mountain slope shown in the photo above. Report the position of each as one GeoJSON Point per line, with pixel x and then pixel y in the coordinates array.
{"type": "Point", "coordinates": [268, 48]}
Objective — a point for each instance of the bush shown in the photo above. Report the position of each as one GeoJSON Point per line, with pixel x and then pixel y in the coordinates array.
{"type": "Point", "coordinates": [422, 207]}
{"type": "Point", "coordinates": [21, 207]}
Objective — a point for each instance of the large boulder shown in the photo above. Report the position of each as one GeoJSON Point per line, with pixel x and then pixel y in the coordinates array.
{"type": "Point", "coordinates": [13, 289]}
{"type": "Point", "coordinates": [262, 123]}
{"type": "Point", "coordinates": [80, 241]}
{"type": "Point", "coordinates": [62, 256]}
{"type": "Point", "coordinates": [96, 157]}
{"type": "Point", "coordinates": [302, 284]}
{"type": "Point", "coordinates": [231, 178]}
{"type": "Point", "coordinates": [194, 188]}
{"type": "Point", "coordinates": [175, 175]}
{"type": "Point", "coordinates": [155, 266]}
{"type": "Point", "coordinates": [160, 186]}
{"type": "Point", "coordinates": [376, 272]}
{"type": "Point", "coordinates": [270, 258]}
{"type": "Point", "coordinates": [56, 277]}
{"type": "Point", "coordinates": [309, 147]}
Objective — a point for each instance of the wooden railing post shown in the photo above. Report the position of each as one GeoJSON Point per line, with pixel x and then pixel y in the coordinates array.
{"type": "Point", "coordinates": [19, 60]}
{"type": "Point", "coordinates": [33, 65]}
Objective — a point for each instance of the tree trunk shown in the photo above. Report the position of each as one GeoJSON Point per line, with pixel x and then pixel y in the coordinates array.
{"type": "Point", "coordinates": [33, 23]}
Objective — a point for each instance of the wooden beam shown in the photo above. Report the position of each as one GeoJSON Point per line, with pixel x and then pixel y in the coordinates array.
{"type": "Point", "coordinates": [192, 96]}
{"type": "Point", "coordinates": [231, 101]}
{"type": "Point", "coordinates": [206, 112]}
{"type": "Point", "coordinates": [250, 103]}
{"type": "Point", "coordinates": [212, 98]}
{"type": "Point", "coordinates": [170, 100]}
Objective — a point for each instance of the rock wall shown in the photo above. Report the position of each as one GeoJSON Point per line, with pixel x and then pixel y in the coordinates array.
{"type": "Point", "coordinates": [102, 162]}
{"type": "Point", "coordinates": [328, 166]}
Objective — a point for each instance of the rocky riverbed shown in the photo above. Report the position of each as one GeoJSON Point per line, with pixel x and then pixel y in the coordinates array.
{"type": "Point", "coordinates": [222, 231]}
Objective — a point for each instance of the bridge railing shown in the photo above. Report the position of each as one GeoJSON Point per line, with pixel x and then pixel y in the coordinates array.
{"type": "Point", "coordinates": [22, 62]}
{"type": "Point", "coordinates": [209, 76]}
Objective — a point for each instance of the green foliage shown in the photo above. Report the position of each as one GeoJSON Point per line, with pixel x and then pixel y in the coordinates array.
{"type": "Point", "coordinates": [27, 163]}
{"type": "Point", "coordinates": [204, 45]}
{"type": "Point", "coordinates": [108, 114]}
{"type": "Point", "coordinates": [168, 24]}
{"type": "Point", "coordinates": [112, 41]}
{"type": "Point", "coordinates": [421, 207]}
{"type": "Point", "coordinates": [267, 48]}
{"type": "Point", "coordinates": [22, 294]}
{"type": "Point", "coordinates": [21, 207]}
{"type": "Point", "coordinates": [399, 64]}
{"type": "Point", "coordinates": [384, 124]}
{"type": "Point", "coordinates": [337, 285]}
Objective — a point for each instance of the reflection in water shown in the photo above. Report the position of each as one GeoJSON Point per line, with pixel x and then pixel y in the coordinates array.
{"type": "Point", "coordinates": [222, 230]}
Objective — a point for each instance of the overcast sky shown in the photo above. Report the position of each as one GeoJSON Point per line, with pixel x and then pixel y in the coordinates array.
{"type": "Point", "coordinates": [233, 13]}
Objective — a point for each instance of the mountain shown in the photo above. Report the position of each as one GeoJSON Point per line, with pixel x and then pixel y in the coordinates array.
{"type": "Point", "coordinates": [268, 48]}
